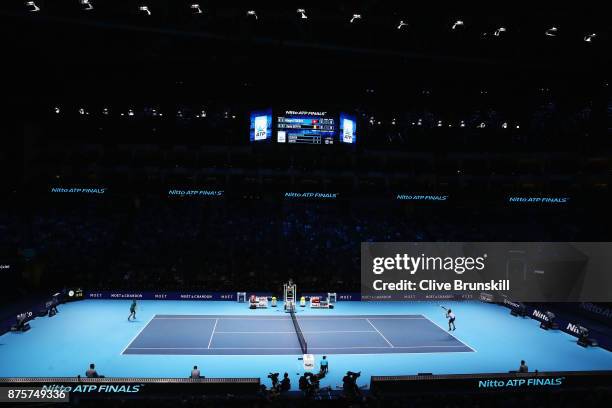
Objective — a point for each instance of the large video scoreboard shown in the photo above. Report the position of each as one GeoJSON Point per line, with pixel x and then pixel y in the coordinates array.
{"type": "Point", "coordinates": [305, 127]}
{"type": "Point", "coordinates": [302, 127]}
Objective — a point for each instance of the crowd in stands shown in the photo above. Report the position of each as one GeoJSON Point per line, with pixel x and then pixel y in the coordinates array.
{"type": "Point", "coordinates": [154, 243]}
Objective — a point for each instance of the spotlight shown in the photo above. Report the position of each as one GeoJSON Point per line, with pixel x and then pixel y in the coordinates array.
{"type": "Point", "coordinates": [355, 18]}
{"type": "Point", "coordinates": [498, 32]}
{"type": "Point", "coordinates": [590, 37]}
{"type": "Point", "coordinates": [518, 309]}
{"type": "Point", "coordinates": [551, 32]}
{"type": "Point", "coordinates": [21, 323]}
{"type": "Point", "coordinates": [462, 124]}
{"type": "Point", "coordinates": [302, 13]}
{"type": "Point", "coordinates": [401, 24]}
{"type": "Point", "coordinates": [549, 321]}
{"type": "Point", "coordinates": [583, 337]}
{"type": "Point", "coordinates": [195, 8]}
{"type": "Point", "coordinates": [144, 10]}
{"type": "Point", "coordinates": [81, 111]}
{"type": "Point", "coordinates": [482, 125]}
{"type": "Point", "coordinates": [252, 14]}
{"type": "Point", "coordinates": [505, 125]}
{"type": "Point", "coordinates": [31, 6]}
{"type": "Point", "coordinates": [86, 5]}
{"type": "Point", "coordinates": [57, 110]}
{"type": "Point", "coordinates": [457, 24]}
{"type": "Point", "coordinates": [105, 111]}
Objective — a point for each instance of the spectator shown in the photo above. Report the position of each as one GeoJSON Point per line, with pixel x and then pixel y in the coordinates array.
{"type": "Point", "coordinates": [285, 384]}
{"type": "Point", "coordinates": [523, 368]}
{"type": "Point", "coordinates": [92, 373]}
{"type": "Point", "coordinates": [195, 373]}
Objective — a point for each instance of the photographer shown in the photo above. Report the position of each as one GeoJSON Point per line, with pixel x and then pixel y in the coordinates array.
{"type": "Point", "coordinates": [285, 384]}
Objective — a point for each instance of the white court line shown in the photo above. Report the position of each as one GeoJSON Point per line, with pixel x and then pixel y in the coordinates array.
{"type": "Point", "coordinates": [289, 348]}
{"type": "Point", "coordinates": [331, 318]}
{"type": "Point", "coordinates": [293, 332]}
{"type": "Point", "coordinates": [452, 335]}
{"type": "Point", "coordinates": [223, 318]}
{"type": "Point", "coordinates": [213, 332]}
{"type": "Point", "coordinates": [137, 334]}
{"type": "Point", "coordinates": [359, 318]}
{"type": "Point", "coordinates": [381, 335]}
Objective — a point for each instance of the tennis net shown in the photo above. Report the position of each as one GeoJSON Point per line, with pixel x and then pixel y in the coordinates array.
{"type": "Point", "coordinates": [298, 331]}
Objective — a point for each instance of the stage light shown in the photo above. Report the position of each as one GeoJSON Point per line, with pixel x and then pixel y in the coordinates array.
{"type": "Point", "coordinates": [81, 111]}
{"type": "Point", "coordinates": [130, 112]}
{"type": "Point", "coordinates": [145, 10]}
{"type": "Point", "coordinates": [457, 24]}
{"type": "Point", "coordinates": [505, 125]}
{"type": "Point", "coordinates": [105, 111]}
{"type": "Point", "coordinates": [57, 110]}
{"type": "Point", "coordinates": [252, 14]}
{"type": "Point", "coordinates": [549, 322]}
{"type": "Point", "coordinates": [462, 124]}
{"type": "Point", "coordinates": [195, 8]}
{"type": "Point", "coordinates": [355, 18]}
{"type": "Point", "coordinates": [498, 32]}
{"type": "Point", "coordinates": [302, 13]}
{"type": "Point", "coordinates": [402, 24]}
{"type": "Point", "coordinates": [85, 5]}
{"type": "Point", "coordinates": [439, 123]}
{"type": "Point", "coordinates": [590, 37]}
{"type": "Point", "coordinates": [482, 125]}
{"type": "Point", "coordinates": [32, 7]}
{"type": "Point", "coordinates": [583, 337]}
{"type": "Point", "coordinates": [551, 32]}
{"type": "Point", "coordinates": [518, 309]}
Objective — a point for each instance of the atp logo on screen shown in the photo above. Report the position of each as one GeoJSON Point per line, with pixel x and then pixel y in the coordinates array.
{"type": "Point", "coordinates": [261, 128]}
{"type": "Point", "coordinates": [348, 131]}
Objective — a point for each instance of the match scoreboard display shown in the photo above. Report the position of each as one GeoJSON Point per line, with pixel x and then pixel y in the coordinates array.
{"type": "Point", "coordinates": [306, 127]}
{"type": "Point", "coordinates": [303, 127]}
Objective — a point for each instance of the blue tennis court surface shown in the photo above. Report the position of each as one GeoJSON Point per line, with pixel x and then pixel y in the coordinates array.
{"type": "Point", "coordinates": [97, 331]}
{"type": "Point", "coordinates": [271, 335]}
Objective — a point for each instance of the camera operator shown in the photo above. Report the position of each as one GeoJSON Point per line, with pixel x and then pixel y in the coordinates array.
{"type": "Point", "coordinates": [303, 384]}
{"type": "Point", "coordinates": [274, 378]}
{"type": "Point", "coordinates": [349, 384]}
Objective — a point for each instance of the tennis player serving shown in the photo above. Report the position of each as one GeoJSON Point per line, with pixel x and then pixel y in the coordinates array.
{"type": "Point", "coordinates": [451, 318]}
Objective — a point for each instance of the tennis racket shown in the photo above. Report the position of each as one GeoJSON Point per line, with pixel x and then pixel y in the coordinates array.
{"type": "Point", "coordinates": [443, 307]}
